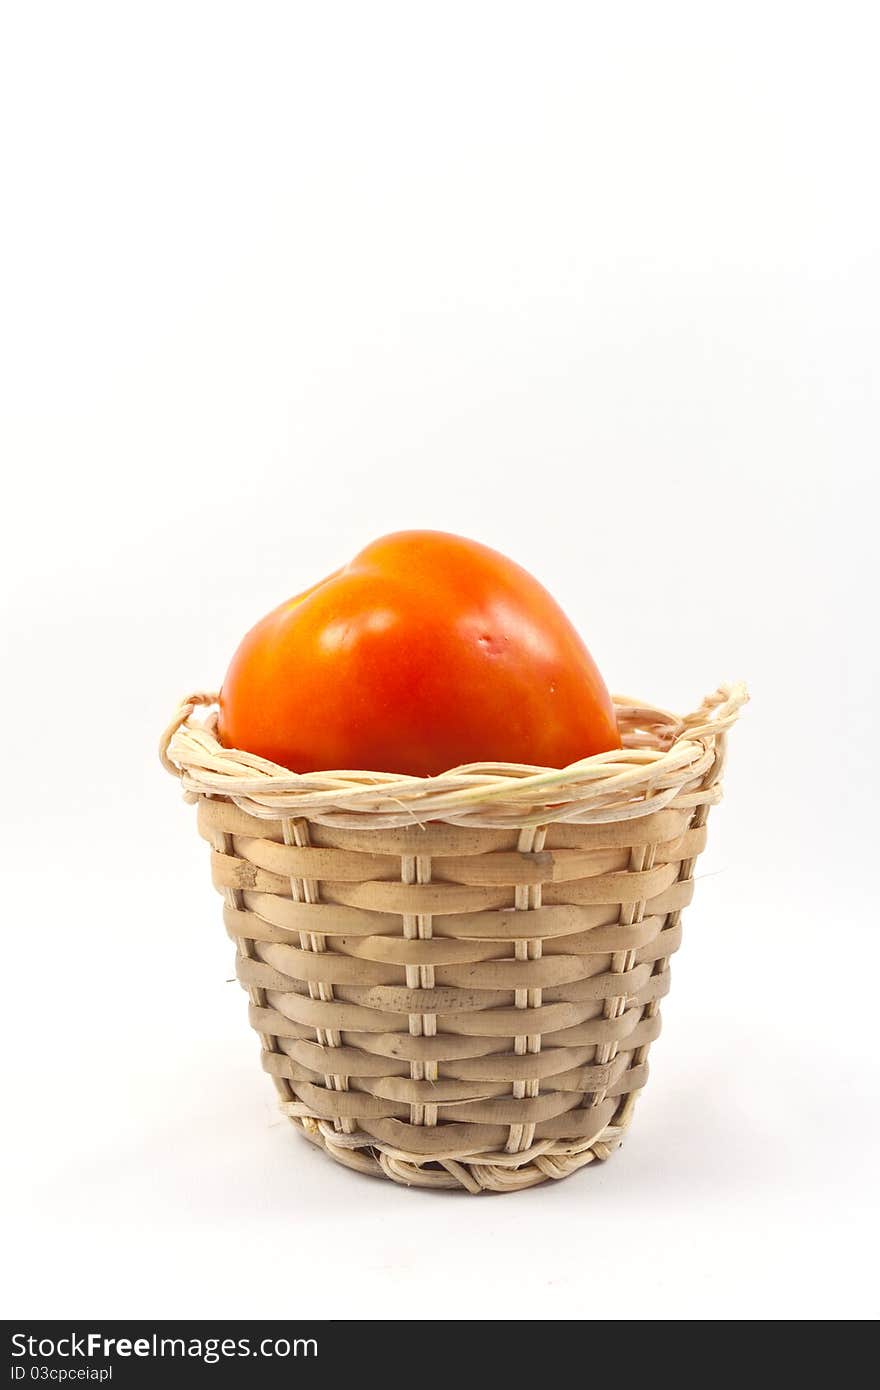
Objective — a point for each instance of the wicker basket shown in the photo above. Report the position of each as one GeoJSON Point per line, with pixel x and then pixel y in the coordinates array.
{"type": "Point", "coordinates": [456, 980]}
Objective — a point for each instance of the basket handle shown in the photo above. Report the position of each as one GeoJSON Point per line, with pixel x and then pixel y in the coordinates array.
{"type": "Point", "coordinates": [187, 707]}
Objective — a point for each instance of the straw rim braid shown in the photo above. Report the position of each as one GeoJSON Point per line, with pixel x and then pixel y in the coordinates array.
{"type": "Point", "coordinates": [665, 760]}
{"type": "Point", "coordinates": [456, 980]}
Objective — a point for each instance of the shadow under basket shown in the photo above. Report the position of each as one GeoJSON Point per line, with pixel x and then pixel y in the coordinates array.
{"type": "Point", "coordinates": [456, 980]}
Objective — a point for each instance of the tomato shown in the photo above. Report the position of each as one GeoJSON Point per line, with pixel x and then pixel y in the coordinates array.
{"type": "Point", "coordinates": [427, 651]}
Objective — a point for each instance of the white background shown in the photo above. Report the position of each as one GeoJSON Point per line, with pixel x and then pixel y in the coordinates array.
{"type": "Point", "coordinates": [595, 284]}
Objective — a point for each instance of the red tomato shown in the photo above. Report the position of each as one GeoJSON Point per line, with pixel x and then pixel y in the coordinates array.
{"type": "Point", "coordinates": [426, 652]}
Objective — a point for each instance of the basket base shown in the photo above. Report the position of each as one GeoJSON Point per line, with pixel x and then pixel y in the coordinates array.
{"type": "Point", "coordinates": [547, 1160]}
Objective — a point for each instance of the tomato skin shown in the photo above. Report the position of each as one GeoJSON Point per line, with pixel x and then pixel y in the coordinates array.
{"type": "Point", "coordinates": [426, 652]}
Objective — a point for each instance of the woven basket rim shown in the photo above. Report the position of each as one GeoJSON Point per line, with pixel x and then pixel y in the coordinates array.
{"type": "Point", "coordinates": [666, 759]}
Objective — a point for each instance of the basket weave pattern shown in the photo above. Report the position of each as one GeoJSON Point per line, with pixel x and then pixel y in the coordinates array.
{"type": "Point", "coordinates": [456, 980]}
